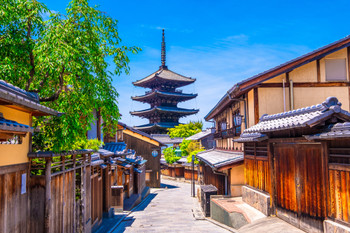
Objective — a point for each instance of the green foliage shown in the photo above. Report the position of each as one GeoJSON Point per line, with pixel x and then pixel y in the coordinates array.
{"type": "Point", "coordinates": [185, 130]}
{"type": "Point", "coordinates": [195, 152]}
{"type": "Point", "coordinates": [83, 143]}
{"type": "Point", "coordinates": [184, 146]}
{"type": "Point", "coordinates": [169, 155]}
{"type": "Point", "coordinates": [64, 59]}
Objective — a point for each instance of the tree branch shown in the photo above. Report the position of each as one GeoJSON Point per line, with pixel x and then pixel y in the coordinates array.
{"type": "Point", "coordinates": [31, 56]}
{"type": "Point", "coordinates": [55, 96]}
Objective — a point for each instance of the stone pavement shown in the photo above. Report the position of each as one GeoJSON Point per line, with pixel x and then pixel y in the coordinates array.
{"type": "Point", "coordinates": [168, 209]}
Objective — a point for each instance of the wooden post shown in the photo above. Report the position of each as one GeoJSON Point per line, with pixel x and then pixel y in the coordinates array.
{"type": "Point", "coordinates": [318, 70]}
{"type": "Point", "coordinates": [272, 190]}
{"type": "Point", "coordinates": [63, 168]}
{"type": "Point", "coordinates": [83, 193]}
{"type": "Point", "coordinates": [256, 106]}
{"type": "Point", "coordinates": [325, 178]}
{"type": "Point", "coordinates": [47, 194]}
{"type": "Point", "coordinates": [74, 194]}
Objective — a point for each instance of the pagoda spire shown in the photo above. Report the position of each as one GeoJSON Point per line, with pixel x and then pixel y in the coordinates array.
{"type": "Point", "coordinates": [163, 54]}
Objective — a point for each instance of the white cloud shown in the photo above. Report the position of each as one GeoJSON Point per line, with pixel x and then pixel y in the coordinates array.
{"type": "Point", "coordinates": [216, 67]}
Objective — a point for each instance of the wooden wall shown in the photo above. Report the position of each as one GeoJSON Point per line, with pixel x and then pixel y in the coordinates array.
{"type": "Point", "coordinates": [256, 166]}
{"type": "Point", "coordinates": [14, 215]}
{"type": "Point", "coordinates": [339, 182]}
{"type": "Point", "coordinates": [210, 178]}
{"type": "Point", "coordinates": [145, 149]}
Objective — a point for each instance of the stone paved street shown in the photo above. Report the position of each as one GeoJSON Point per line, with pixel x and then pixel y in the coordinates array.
{"type": "Point", "coordinates": [167, 209]}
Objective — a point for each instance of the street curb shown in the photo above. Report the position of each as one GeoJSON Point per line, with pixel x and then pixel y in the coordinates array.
{"type": "Point", "coordinates": [128, 213]}
{"type": "Point", "coordinates": [221, 225]}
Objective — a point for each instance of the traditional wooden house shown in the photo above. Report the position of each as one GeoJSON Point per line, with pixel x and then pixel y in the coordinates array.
{"type": "Point", "coordinates": [16, 110]}
{"type": "Point", "coordinates": [297, 166]}
{"type": "Point", "coordinates": [223, 169]}
{"type": "Point", "coordinates": [147, 147]}
{"type": "Point", "coordinates": [301, 82]}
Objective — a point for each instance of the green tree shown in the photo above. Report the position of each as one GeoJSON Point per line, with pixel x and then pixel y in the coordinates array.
{"type": "Point", "coordinates": [65, 60]}
{"type": "Point", "coordinates": [185, 130]}
{"type": "Point", "coordinates": [170, 156]}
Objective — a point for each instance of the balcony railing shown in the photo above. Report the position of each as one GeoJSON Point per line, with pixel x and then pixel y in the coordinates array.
{"type": "Point", "coordinates": [229, 133]}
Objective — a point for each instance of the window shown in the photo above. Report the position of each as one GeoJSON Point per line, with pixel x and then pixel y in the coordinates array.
{"type": "Point", "coordinates": [336, 70]}
{"type": "Point", "coordinates": [223, 125]}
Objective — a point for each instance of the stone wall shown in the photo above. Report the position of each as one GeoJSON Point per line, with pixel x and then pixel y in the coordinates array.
{"type": "Point", "coordinates": [333, 227]}
{"type": "Point", "coordinates": [258, 200]}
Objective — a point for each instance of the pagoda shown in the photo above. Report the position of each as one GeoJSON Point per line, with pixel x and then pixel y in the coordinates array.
{"type": "Point", "coordinates": [163, 98]}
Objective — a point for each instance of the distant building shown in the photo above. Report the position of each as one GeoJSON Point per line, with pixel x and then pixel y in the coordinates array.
{"type": "Point", "coordinates": [163, 98]}
{"type": "Point", "coordinates": [205, 138]}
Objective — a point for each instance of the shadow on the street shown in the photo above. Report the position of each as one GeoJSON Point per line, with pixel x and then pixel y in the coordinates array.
{"type": "Point", "coordinates": [146, 202]}
{"type": "Point", "coordinates": [127, 222]}
{"type": "Point", "coordinates": [168, 186]}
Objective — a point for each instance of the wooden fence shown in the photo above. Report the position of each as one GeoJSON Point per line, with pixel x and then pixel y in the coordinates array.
{"type": "Point", "coordinates": [60, 191]}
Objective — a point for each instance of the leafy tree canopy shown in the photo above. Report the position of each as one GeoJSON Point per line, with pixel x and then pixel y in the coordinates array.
{"type": "Point", "coordinates": [65, 60]}
{"type": "Point", "coordinates": [170, 156]}
{"type": "Point", "coordinates": [186, 130]}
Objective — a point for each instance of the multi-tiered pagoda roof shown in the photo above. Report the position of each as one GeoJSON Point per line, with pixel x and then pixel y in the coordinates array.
{"type": "Point", "coordinates": [163, 98]}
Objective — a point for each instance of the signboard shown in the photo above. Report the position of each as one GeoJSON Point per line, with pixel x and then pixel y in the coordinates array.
{"type": "Point", "coordinates": [154, 153]}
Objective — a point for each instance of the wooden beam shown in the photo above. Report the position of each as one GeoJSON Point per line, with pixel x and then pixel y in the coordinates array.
{"type": "Point", "coordinates": [272, 191]}
{"type": "Point", "coordinates": [306, 84]}
{"type": "Point", "coordinates": [325, 178]}
{"type": "Point", "coordinates": [318, 70]}
{"type": "Point", "coordinates": [47, 195]}
{"type": "Point", "coordinates": [256, 106]}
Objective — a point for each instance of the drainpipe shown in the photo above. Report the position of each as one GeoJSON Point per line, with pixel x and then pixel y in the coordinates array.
{"type": "Point", "coordinates": [291, 95]}
{"type": "Point", "coordinates": [223, 174]}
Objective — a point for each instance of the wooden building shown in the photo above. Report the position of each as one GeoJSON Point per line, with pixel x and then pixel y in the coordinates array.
{"type": "Point", "coordinates": [163, 98]}
{"type": "Point", "coordinates": [17, 107]}
{"type": "Point", "coordinates": [297, 166]}
{"type": "Point", "coordinates": [205, 138]}
{"type": "Point", "coordinates": [147, 147]}
{"type": "Point", "coordinates": [223, 169]}
{"type": "Point", "coordinates": [304, 81]}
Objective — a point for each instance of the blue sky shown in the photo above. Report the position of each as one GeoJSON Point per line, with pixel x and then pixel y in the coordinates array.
{"type": "Point", "coordinates": [218, 43]}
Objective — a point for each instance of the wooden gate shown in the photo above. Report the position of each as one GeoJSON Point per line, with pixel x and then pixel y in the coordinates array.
{"type": "Point", "coordinates": [300, 198]}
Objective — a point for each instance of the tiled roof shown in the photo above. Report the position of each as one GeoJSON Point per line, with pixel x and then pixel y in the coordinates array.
{"type": "Point", "coordinates": [165, 139]}
{"type": "Point", "coordinates": [136, 130]}
{"type": "Point", "coordinates": [216, 158]}
{"type": "Point", "coordinates": [157, 125]}
{"type": "Point", "coordinates": [299, 118]}
{"type": "Point", "coordinates": [166, 109]}
{"type": "Point", "coordinates": [200, 135]}
{"type": "Point", "coordinates": [8, 125]}
{"type": "Point", "coordinates": [165, 74]}
{"type": "Point", "coordinates": [251, 137]}
{"type": "Point", "coordinates": [14, 95]}
{"type": "Point", "coordinates": [164, 93]}
{"type": "Point", "coordinates": [339, 130]}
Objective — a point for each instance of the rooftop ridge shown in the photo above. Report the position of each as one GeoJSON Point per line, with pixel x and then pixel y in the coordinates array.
{"type": "Point", "coordinates": [330, 101]}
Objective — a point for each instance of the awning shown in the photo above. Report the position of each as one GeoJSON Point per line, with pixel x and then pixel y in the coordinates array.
{"type": "Point", "coordinates": [217, 158]}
